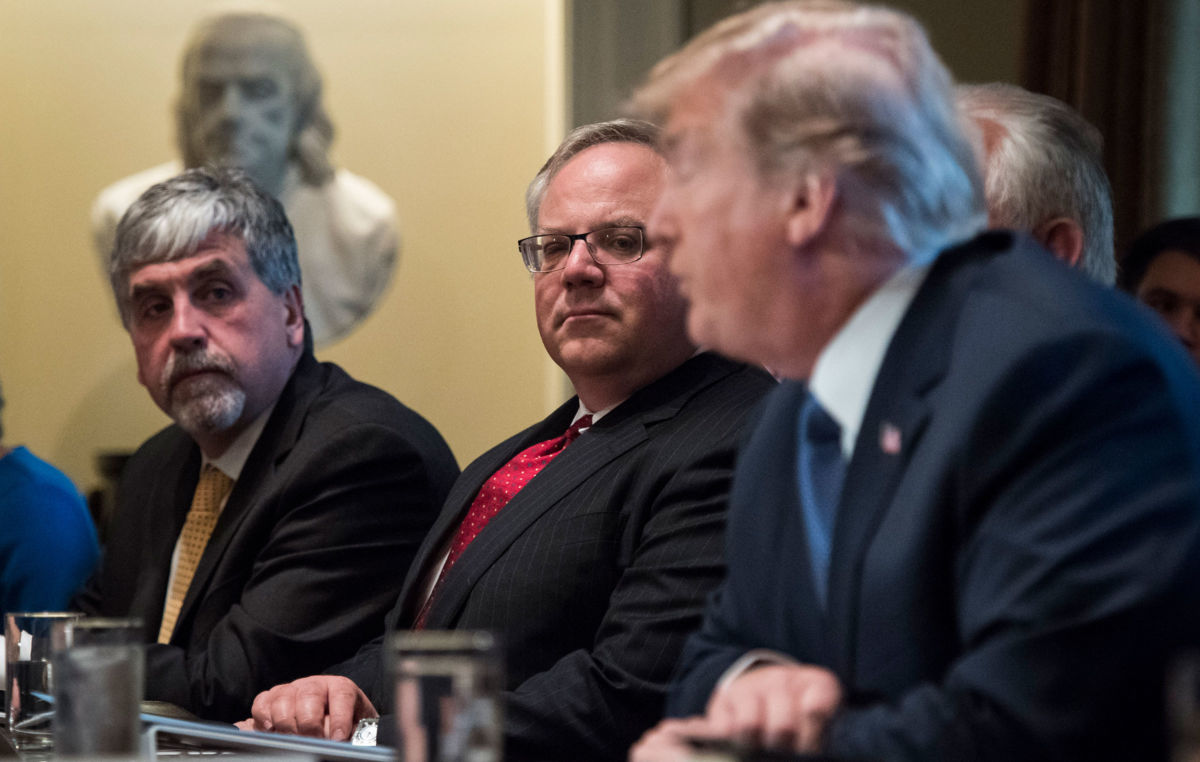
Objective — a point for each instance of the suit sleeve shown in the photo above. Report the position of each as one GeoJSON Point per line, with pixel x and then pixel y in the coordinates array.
{"type": "Point", "coordinates": [600, 699]}
{"type": "Point", "coordinates": [757, 544]}
{"type": "Point", "coordinates": [707, 655]}
{"type": "Point", "coordinates": [367, 668]}
{"type": "Point", "coordinates": [1075, 573]}
{"type": "Point", "coordinates": [341, 532]}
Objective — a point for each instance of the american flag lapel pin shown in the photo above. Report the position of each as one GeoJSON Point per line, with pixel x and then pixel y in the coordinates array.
{"type": "Point", "coordinates": [889, 438]}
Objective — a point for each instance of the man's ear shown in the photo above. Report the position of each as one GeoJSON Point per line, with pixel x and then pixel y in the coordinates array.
{"type": "Point", "coordinates": [810, 204]}
{"type": "Point", "coordinates": [1063, 237]}
{"type": "Point", "coordinates": [293, 304]}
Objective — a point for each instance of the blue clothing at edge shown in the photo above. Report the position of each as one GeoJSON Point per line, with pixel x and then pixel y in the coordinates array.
{"type": "Point", "coordinates": [48, 543]}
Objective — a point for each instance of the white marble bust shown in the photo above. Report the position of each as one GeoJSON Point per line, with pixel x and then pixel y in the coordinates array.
{"type": "Point", "coordinates": [252, 97]}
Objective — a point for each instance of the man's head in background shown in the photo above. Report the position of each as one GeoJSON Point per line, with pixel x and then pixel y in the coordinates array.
{"type": "Point", "coordinates": [1162, 270]}
{"type": "Point", "coordinates": [1044, 173]}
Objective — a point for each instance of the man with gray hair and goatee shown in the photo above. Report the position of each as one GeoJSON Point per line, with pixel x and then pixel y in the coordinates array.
{"type": "Point", "coordinates": [266, 530]}
{"type": "Point", "coordinates": [1044, 173]}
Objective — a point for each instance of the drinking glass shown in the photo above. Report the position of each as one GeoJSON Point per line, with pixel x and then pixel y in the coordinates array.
{"type": "Point", "coordinates": [98, 677]}
{"type": "Point", "coordinates": [30, 637]}
{"type": "Point", "coordinates": [448, 688]}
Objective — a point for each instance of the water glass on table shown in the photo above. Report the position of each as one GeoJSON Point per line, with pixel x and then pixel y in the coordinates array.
{"type": "Point", "coordinates": [30, 638]}
{"type": "Point", "coordinates": [448, 687]}
{"type": "Point", "coordinates": [98, 678]}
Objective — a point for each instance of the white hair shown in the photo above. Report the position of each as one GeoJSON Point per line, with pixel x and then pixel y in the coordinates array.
{"type": "Point", "coordinates": [855, 90]}
{"type": "Point", "coordinates": [1045, 161]}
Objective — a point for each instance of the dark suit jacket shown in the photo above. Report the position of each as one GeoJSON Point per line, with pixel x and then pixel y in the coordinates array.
{"type": "Point", "coordinates": [330, 507]}
{"type": "Point", "coordinates": [597, 570]}
{"type": "Point", "coordinates": [1009, 583]}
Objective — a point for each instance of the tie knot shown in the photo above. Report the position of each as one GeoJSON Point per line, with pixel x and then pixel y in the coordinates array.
{"type": "Point", "coordinates": [577, 428]}
{"type": "Point", "coordinates": [212, 488]}
{"type": "Point", "coordinates": [818, 425]}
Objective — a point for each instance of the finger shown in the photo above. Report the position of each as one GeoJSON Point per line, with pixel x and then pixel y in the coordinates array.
{"type": "Point", "coordinates": [344, 709]}
{"type": "Point", "coordinates": [260, 711]}
{"type": "Point", "coordinates": [780, 721]}
{"type": "Point", "coordinates": [247, 724]}
{"type": "Point", "coordinates": [746, 714]}
{"type": "Point", "coordinates": [817, 705]}
{"type": "Point", "coordinates": [720, 711]}
{"type": "Point", "coordinates": [310, 708]}
{"type": "Point", "coordinates": [689, 726]}
{"type": "Point", "coordinates": [660, 745]}
{"type": "Point", "coordinates": [282, 709]}
{"type": "Point", "coordinates": [681, 729]}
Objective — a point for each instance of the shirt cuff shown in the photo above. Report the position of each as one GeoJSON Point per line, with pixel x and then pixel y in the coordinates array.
{"type": "Point", "coordinates": [757, 657]}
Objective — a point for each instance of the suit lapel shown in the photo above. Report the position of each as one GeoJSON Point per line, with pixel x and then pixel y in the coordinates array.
{"type": "Point", "coordinates": [871, 481]}
{"type": "Point", "coordinates": [576, 464]}
{"type": "Point", "coordinates": [462, 494]}
{"type": "Point", "coordinates": [771, 454]}
{"type": "Point", "coordinates": [274, 443]}
{"type": "Point", "coordinates": [896, 416]}
{"type": "Point", "coordinates": [617, 433]}
{"type": "Point", "coordinates": [183, 461]}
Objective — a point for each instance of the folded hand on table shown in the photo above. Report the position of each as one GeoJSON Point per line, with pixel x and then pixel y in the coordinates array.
{"type": "Point", "coordinates": [322, 705]}
{"type": "Point", "coordinates": [785, 707]}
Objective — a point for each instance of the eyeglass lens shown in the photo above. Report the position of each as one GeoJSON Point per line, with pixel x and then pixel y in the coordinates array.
{"type": "Point", "coordinates": [607, 246]}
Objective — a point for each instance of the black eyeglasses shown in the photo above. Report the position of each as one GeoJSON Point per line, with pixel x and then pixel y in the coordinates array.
{"type": "Point", "coordinates": [608, 246]}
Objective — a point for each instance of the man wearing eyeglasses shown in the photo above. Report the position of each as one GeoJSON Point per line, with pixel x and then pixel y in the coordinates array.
{"type": "Point", "coordinates": [601, 526]}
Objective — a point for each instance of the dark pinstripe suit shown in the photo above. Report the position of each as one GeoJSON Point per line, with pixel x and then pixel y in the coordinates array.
{"type": "Point", "coordinates": [596, 572]}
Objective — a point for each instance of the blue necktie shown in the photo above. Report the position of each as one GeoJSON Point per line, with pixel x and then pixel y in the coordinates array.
{"type": "Point", "coordinates": [822, 471]}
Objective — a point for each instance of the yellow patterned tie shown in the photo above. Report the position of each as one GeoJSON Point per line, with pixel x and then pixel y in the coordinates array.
{"type": "Point", "coordinates": [202, 517]}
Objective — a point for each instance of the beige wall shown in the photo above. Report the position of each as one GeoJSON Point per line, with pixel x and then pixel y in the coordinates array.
{"type": "Point", "coordinates": [442, 103]}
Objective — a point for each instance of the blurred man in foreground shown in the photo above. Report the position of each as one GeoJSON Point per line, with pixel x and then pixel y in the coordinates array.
{"type": "Point", "coordinates": [972, 532]}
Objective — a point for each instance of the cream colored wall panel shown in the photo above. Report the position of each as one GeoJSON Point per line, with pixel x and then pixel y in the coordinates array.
{"type": "Point", "coordinates": [442, 103]}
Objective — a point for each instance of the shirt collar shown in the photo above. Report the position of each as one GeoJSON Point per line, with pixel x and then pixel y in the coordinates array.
{"type": "Point", "coordinates": [596, 416]}
{"type": "Point", "coordinates": [234, 458]}
{"type": "Point", "coordinates": [845, 371]}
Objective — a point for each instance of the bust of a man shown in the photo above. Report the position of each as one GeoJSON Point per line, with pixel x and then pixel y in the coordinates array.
{"type": "Point", "coordinates": [251, 97]}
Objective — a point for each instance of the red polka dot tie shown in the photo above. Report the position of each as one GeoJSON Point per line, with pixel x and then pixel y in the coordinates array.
{"type": "Point", "coordinates": [495, 494]}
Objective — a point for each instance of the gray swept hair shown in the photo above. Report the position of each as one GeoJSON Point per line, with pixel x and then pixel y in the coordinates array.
{"type": "Point", "coordinates": [856, 90]}
{"type": "Point", "coordinates": [172, 219]}
{"type": "Point", "coordinates": [1045, 161]}
{"type": "Point", "coordinates": [578, 140]}
{"type": "Point", "coordinates": [313, 136]}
